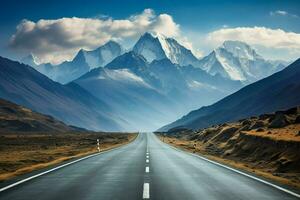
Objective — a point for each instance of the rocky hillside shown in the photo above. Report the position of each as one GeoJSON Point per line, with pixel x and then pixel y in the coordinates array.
{"type": "Point", "coordinates": [16, 119]}
{"type": "Point", "coordinates": [268, 144]}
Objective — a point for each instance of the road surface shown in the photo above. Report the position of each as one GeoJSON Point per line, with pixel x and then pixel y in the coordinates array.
{"type": "Point", "coordinates": [131, 173]}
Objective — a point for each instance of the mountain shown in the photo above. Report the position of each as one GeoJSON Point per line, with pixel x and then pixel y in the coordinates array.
{"type": "Point", "coordinates": [103, 54]}
{"type": "Point", "coordinates": [127, 86]}
{"type": "Point", "coordinates": [15, 118]}
{"type": "Point", "coordinates": [157, 47]}
{"type": "Point", "coordinates": [188, 85]}
{"type": "Point", "coordinates": [236, 60]}
{"type": "Point", "coordinates": [159, 91]}
{"type": "Point", "coordinates": [82, 63]}
{"type": "Point", "coordinates": [29, 60]}
{"type": "Point", "coordinates": [66, 71]}
{"type": "Point", "coordinates": [277, 92]}
{"type": "Point", "coordinates": [69, 103]}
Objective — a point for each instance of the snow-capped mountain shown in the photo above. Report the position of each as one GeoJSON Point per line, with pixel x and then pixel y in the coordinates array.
{"type": "Point", "coordinates": [83, 62]}
{"type": "Point", "coordinates": [66, 71]}
{"type": "Point", "coordinates": [127, 86]}
{"type": "Point", "coordinates": [103, 54]}
{"type": "Point", "coordinates": [150, 94]}
{"type": "Point", "coordinates": [236, 60]}
{"type": "Point", "coordinates": [157, 47]}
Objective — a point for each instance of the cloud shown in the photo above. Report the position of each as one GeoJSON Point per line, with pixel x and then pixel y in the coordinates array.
{"type": "Point", "coordinates": [283, 13]}
{"type": "Point", "coordinates": [58, 40]}
{"type": "Point", "coordinates": [269, 41]}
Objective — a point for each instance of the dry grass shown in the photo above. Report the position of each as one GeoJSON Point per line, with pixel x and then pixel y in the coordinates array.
{"type": "Point", "coordinates": [288, 133]}
{"type": "Point", "coordinates": [20, 154]}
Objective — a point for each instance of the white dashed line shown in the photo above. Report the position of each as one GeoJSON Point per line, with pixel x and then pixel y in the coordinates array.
{"type": "Point", "coordinates": [147, 170]}
{"type": "Point", "coordinates": [147, 156]}
{"type": "Point", "coordinates": [147, 161]}
{"type": "Point", "coordinates": [146, 194]}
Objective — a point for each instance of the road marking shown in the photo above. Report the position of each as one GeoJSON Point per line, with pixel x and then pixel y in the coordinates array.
{"type": "Point", "coordinates": [147, 153]}
{"type": "Point", "coordinates": [147, 156]}
{"type": "Point", "coordinates": [61, 166]}
{"type": "Point", "coordinates": [147, 170]}
{"type": "Point", "coordinates": [239, 172]}
{"type": "Point", "coordinates": [146, 193]}
{"type": "Point", "coordinates": [147, 161]}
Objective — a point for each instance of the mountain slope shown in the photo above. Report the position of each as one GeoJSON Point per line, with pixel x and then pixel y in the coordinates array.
{"type": "Point", "coordinates": [276, 92]}
{"type": "Point", "coordinates": [103, 54]}
{"type": "Point", "coordinates": [15, 118]}
{"type": "Point", "coordinates": [157, 47]}
{"type": "Point", "coordinates": [127, 86]}
{"type": "Point", "coordinates": [70, 103]}
{"type": "Point", "coordinates": [236, 60]}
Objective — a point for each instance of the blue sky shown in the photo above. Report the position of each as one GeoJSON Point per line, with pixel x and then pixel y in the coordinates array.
{"type": "Point", "coordinates": [197, 22]}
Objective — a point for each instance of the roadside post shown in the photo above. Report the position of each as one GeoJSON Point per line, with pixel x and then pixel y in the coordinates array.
{"type": "Point", "coordinates": [98, 145]}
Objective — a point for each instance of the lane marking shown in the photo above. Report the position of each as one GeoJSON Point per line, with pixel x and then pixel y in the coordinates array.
{"type": "Point", "coordinates": [146, 193]}
{"type": "Point", "coordinates": [147, 170]}
{"type": "Point", "coordinates": [62, 166]}
{"type": "Point", "coordinates": [147, 153]}
{"type": "Point", "coordinates": [237, 171]}
{"type": "Point", "coordinates": [147, 161]}
{"type": "Point", "coordinates": [147, 156]}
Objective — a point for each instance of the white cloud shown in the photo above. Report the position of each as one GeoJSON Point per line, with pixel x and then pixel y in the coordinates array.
{"type": "Point", "coordinates": [58, 40]}
{"type": "Point", "coordinates": [272, 43]}
{"type": "Point", "coordinates": [283, 13]}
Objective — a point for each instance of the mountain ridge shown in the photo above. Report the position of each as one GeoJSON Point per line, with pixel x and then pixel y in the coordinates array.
{"type": "Point", "coordinates": [23, 85]}
{"type": "Point", "coordinates": [253, 99]}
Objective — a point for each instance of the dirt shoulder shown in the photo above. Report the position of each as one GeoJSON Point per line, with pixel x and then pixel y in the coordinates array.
{"type": "Point", "coordinates": [21, 154]}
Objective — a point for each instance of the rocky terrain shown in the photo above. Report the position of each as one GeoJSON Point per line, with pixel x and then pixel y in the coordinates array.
{"type": "Point", "coordinates": [267, 145]}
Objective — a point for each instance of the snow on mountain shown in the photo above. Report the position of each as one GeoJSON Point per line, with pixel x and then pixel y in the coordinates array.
{"type": "Point", "coordinates": [103, 54]}
{"type": "Point", "coordinates": [236, 60]}
{"type": "Point", "coordinates": [82, 63]}
{"type": "Point", "coordinates": [157, 47]}
{"type": "Point", "coordinates": [66, 71]}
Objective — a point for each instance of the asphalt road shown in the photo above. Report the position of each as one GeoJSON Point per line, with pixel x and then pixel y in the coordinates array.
{"type": "Point", "coordinates": [131, 173]}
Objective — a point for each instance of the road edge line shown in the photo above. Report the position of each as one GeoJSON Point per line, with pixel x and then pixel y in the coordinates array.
{"type": "Point", "coordinates": [62, 166]}
{"type": "Point", "coordinates": [237, 171]}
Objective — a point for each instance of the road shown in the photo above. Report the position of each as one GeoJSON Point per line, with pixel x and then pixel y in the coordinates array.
{"type": "Point", "coordinates": [131, 173]}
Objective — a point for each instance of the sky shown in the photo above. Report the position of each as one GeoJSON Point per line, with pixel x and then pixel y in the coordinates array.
{"type": "Point", "coordinates": [54, 31]}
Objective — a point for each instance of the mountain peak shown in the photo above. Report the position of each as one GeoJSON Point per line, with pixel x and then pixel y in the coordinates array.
{"type": "Point", "coordinates": [79, 56]}
{"type": "Point", "coordinates": [240, 49]}
{"type": "Point", "coordinates": [149, 47]}
{"type": "Point", "coordinates": [237, 60]}
{"type": "Point", "coordinates": [103, 54]}
{"type": "Point", "coordinates": [156, 47]}
{"type": "Point", "coordinates": [110, 45]}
